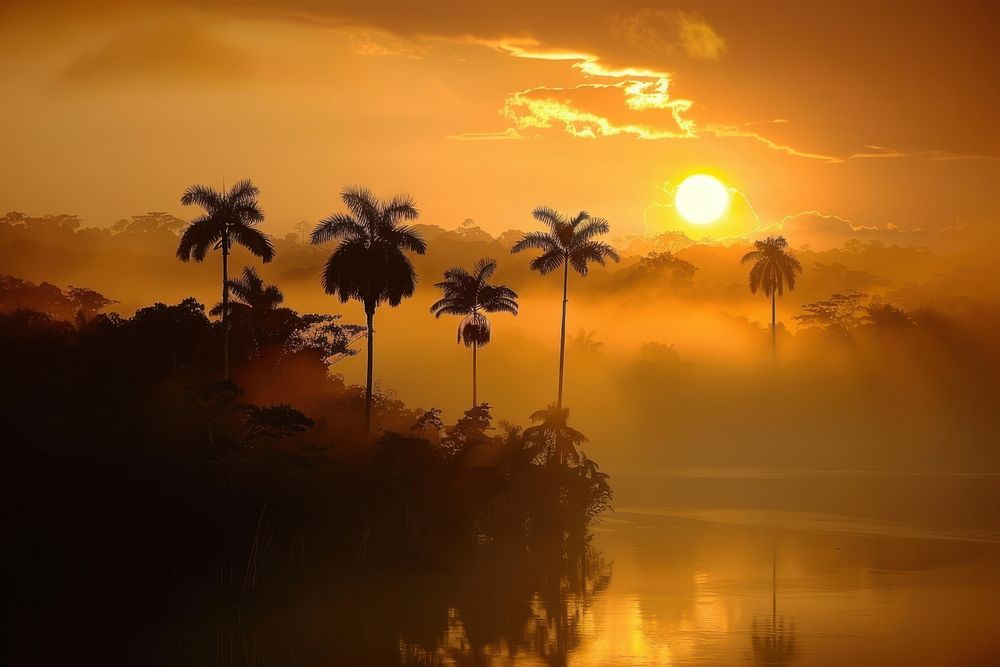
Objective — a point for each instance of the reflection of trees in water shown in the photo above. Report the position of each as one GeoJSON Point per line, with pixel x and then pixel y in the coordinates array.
{"type": "Point", "coordinates": [773, 643]}
{"type": "Point", "coordinates": [535, 612]}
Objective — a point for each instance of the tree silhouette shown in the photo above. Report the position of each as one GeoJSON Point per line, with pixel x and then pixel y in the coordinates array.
{"type": "Point", "coordinates": [551, 438]}
{"type": "Point", "coordinates": [470, 295]}
{"type": "Point", "coordinates": [230, 217]}
{"type": "Point", "coordinates": [369, 264]}
{"type": "Point", "coordinates": [887, 317]}
{"type": "Point", "coordinates": [599, 494]}
{"type": "Point", "coordinates": [256, 303]}
{"type": "Point", "coordinates": [773, 269]}
{"type": "Point", "coordinates": [568, 243]}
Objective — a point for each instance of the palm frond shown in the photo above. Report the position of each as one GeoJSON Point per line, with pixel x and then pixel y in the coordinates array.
{"type": "Point", "coordinates": [484, 268]}
{"type": "Point", "coordinates": [235, 310]}
{"type": "Point", "coordinates": [448, 306]}
{"type": "Point", "coordinates": [362, 204]}
{"type": "Point", "coordinates": [539, 240]}
{"type": "Point", "coordinates": [406, 238]}
{"type": "Point", "coordinates": [243, 191]}
{"type": "Point", "coordinates": [200, 236]}
{"type": "Point", "coordinates": [247, 214]}
{"type": "Point", "coordinates": [591, 251]}
{"type": "Point", "coordinates": [202, 195]}
{"type": "Point", "coordinates": [400, 207]}
{"type": "Point", "coordinates": [756, 277]}
{"type": "Point", "coordinates": [547, 262]}
{"type": "Point", "coordinates": [455, 276]}
{"type": "Point", "coordinates": [337, 226]}
{"type": "Point", "coordinates": [591, 228]}
{"type": "Point", "coordinates": [254, 240]}
{"type": "Point", "coordinates": [548, 216]}
{"type": "Point", "coordinates": [577, 220]}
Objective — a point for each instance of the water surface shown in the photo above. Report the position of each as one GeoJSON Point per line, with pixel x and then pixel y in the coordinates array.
{"type": "Point", "coordinates": [696, 567]}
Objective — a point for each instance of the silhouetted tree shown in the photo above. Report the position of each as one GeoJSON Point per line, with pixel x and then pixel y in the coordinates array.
{"type": "Point", "coordinates": [469, 431]}
{"type": "Point", "coordinates": [303, 228]}
{"type": "Point", "coordinates": [551, 438]}
{"type": "Point", "coordinates": [229, 218]}
{"type": "Point", "coordinates": [773, 269]}
{"type": "Point", "coordinates": [887, 317]}
{"type": "Point", "coordinates": [470, 295]}
{"type": "Point", "coordinates": [599, 494]}
{"type": "Point", "coordinates": [661, 270]}
{"type": "Point", "coordinates": [568, 243]}
{"type": "Point", "coordinates": [149, 223]}
{"type": "Point", "coordinates": [838, 313]}
{"type": "Point", "coordinates": [75, 303]}
{"type": "Point", "coordinates": [370, 263]}
{"type": "Point", "coordinates": [233, 427]}
{"type": "Point", "coordinates": [256, 303]}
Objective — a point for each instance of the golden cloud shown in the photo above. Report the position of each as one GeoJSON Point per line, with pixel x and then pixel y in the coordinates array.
{"type": "Point", "coordinates": [666, 32]}
{"type": "Point", "coordinates": [545, 107]}
{"type": "Point", "coordinates": [171, 51]}
{"type": "Point", "coordinates": [510, 134]}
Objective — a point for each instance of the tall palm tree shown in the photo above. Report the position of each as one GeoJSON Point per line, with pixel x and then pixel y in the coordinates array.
{"type": "Point", "coordinates": [256, 303]}
{"type": "Point", "coordinates": [470, 295]}
{"type": "Point", "coordinates": [773, 269]}
{"type": "Point", "coordinates": [230, 217]}
{"type": "Point", "coordinates": [568, 243]}
{"type": "Point", "coordinates": [369, 264]}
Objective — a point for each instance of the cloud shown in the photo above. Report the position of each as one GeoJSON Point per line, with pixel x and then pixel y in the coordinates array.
{"type": "Point", "coordinates": [870, 152]}
{"type": "Point", "coordinates": [827, 230]}
{"type": "Point", "coordinates": [740, 131]}
{"type": "Point", "coordinates": [177, 51]}
{"type": "Point", "coordinates": [369, 44]}
{"type": "Point", "coordinates": [625, 42]}
{"type": "Point", "coordinates": [509, 134]}
{"type": "Point", "coordinates": [544, 107]}
{"type": "Point", "coordinates": [666, 32]}
{"type": "Point", "coordinates": [878, 152]}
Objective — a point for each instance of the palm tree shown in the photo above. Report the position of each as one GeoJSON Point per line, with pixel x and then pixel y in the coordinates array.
{"type": "Point", "coordinates": [568, 243]}
{"type": "Point", "coordinates": [229, 218]}
{"type": "Point", "coordinates": [256, 303]}
{"type": "Point", "coordinates": [370, 264]}
{"type": "Point", "coordinates": [773, 269]}
{"type": "Point", "coordinates": [470, 295]}
{"type": "Point", "coordinates": [552, 438]}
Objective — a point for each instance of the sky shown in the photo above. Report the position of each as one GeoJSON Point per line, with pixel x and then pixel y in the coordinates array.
{"type": "Point", "coordinates": [824, 118]}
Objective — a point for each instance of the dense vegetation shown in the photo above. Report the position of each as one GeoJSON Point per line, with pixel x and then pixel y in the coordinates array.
{"type": "Point", "coordinates": [148, 480]}
{"type": "Point", "coordinates": [137, 473]}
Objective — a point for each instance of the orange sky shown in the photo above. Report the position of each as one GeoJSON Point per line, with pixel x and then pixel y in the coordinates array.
{"type": "Point", "coordinates": [872, 114]}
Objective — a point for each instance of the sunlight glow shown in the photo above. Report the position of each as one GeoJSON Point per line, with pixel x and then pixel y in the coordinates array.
{"type": "Point", "coordinates": [701, 199]}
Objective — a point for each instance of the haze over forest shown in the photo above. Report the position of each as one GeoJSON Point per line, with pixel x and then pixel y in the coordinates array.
{"type": "Point", "coordinates": [671, 335]}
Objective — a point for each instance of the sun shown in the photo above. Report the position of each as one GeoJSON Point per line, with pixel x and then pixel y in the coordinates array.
{"type": "Point", "coordinates": [701, 199]}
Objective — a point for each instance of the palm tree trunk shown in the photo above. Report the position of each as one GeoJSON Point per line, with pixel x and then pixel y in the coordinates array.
{"type": "Point", "coordinates": [475, 348]}
{"type": "Point", "coordinates": [562, 332]}
{"type": "Point", "coordinates": [370, 312]}
{"type": "Point", "coordinates": [774, 328]}
{"type": "Point", "coordinates": [225, 303]}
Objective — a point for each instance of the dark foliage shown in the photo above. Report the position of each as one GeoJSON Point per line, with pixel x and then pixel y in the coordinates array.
{"type": "Point", "coordinates": [70, 304]}
{"type": "Point", "coordinates": [146, 489]}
